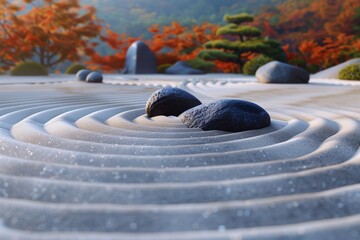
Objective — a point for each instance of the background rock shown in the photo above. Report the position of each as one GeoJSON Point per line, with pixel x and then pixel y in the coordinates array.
{"type": "Point", "coordinates": [181, 67]}
{"type": "Point", "coordinates": [140, 59]}
{"type": "Point", "coordinates": [278, 72]}
{"type": "Point", "coordinates": [94, 77]}
{"type": "Point", "coordinates": [82, 74]}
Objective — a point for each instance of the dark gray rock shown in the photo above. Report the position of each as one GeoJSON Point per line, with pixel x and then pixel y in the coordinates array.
{"type": "Point", "coordinates": [82, 74]}
{"type": "Point", "coordinates": [226, 115]}
{"type": "Point", "coordinates": [278, 72]}
{"type": "Point", "coordinates": [170, 101]}
{"type": "Point", "coordinates": [94, 77]}
{"type": "Point", "coordinates": [181, 67]}
{"type": "Point", "coordinates": [140, 60]}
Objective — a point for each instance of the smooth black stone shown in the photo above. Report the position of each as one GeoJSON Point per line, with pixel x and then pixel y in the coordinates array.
{"type": "Point", "coordinates": [82, 74]}
{"type": "Point", "coordinates": [278, 72]}
{"type": "Point", "coordinates": [140, 60]}
{"type": "Point", "coordinates": [94, 77]}
{"type": "Point", "coordinates": [170, 101]}
{"type": "Point", "coordinates": [181, 68]}
{"type": "Point", "coordinates": [227, 115]}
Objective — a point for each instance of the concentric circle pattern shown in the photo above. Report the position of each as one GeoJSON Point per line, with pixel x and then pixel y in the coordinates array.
{"type": "Point", "coordinates": [82, 161]}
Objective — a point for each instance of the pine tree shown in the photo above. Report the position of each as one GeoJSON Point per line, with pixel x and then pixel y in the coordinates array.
{"type": "Point", "coordinates": [240, 42]}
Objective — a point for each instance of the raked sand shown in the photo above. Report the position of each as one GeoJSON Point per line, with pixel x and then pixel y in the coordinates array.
{"type": "Point", "coordinates": [82, 161]}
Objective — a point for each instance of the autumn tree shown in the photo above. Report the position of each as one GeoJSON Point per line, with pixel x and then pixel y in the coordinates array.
{"type": "Point", "coordinates": [13, 48]}
{"type": "Point", "coordinates": [317, 56]}
{"type": "Point", "coordinates": [293, 21]}
{"type": "Point", "coordinates": [176, 42]}
{"type": "Point", "coordinates": [170, 43]}
{"type": "Point", "coordinates": [118, 44]}
{"type": "Point", "coordinates": [239, 42]}
{"type": "Point", "coordinates": [50, 33]}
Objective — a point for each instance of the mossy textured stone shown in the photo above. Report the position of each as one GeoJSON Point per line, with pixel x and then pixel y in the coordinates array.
{"type": "Point", "coordinates": [227, 115]}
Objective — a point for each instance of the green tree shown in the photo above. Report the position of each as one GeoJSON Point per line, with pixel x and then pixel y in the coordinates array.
{"type": "Point", "coordinates": [240, 41]}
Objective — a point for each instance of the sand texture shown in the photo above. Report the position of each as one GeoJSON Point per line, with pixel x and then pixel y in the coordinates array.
{"type": "Point", "coordinates": [82, 161]}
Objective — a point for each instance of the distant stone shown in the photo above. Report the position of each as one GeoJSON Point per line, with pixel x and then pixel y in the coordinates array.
{"type": "Point", "coordinates": [94, 77]}
{"type": "Point", "coordinates": [227, 115]}
{"type": "Point", "coordinates": [278, 72]}
{"type": "Point", "coordinates": [170, 101]}
{"type": "Point", "coordinates": [181, 68]}
{"type": "Point", "coordinates": [140, 60]}
{"type": "Point", "coordinates": [82, 74]}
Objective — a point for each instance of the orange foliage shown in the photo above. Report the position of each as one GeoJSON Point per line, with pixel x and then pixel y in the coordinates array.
{"type": "Point", "coordinates": [289, 54]}
{"type": "Point", "coordinates": [338, 15]}
{"type": "Point", "coordinates": [227, 67]}
{"type": "Point", "coordinates": [170, 44]}
{"type": "Point", "coordinates": [330, 52]}
{"type": "Point", "coordinates": [114, 62]}
{"type": "Point", "coordinates": [317, 33]}
{"type": "Point", "coordinates": [294, 20]}
{"type": "Point", "coordinates": [52, 32]}
{"type": "Point", "coordinates": [62, 30]}
{"type": "Point", "coordinates": [9, 42]}
{"type": "Point", "coordinates": [176, 42]}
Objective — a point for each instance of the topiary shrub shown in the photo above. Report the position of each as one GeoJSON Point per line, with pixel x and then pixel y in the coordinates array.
{"type": "Point", "coordinates": [29, 69]}
{"type": "Point", "coordinates": [73, 69]}
{"type": "Point", "coordinates": [298, 63]}
{"type": "Point", "coordinates": [351, 72]}
{"type": "Point", "coordinates": [254, 64]}
{"type": "Point", "coordinates": [163, 67]}
{"type": "Point", "coordinates": [245, 39]}
{"type": "Point", "coordinates": [312, 68]}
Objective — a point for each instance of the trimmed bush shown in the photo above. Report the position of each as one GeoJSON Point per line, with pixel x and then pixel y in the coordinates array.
{"type": "Point", "coordinates": [235, 29]}
{"type": "Point", "coordinates": [351, 72]}
{"type": "Point", "coordinates": [238, 18]}
{"type": "Point", "coordinates": [163, 67]}
{"type": "Point", "coordinates": [245, 38]}
{"type": "Point", "coordinates": [298, 63]}
{"type": "Point", "coordinates": [254, 64]}
{"type": "Point", "coordinates": [29, 69]}
{"type": "Point", "coordinates": [73, 69]}
{"type": "Point", "coordinates": [312, 68]}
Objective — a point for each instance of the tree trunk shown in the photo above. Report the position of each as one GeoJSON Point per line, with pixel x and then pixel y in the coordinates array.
{"type": "Point", "coordinates": [241, 38]}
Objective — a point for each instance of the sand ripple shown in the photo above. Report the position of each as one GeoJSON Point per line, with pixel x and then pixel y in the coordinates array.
{"type": "Point", "coordinates": [81, 161]}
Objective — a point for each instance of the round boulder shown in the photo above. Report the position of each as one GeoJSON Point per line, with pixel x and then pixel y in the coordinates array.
{"type": "Point", "coordinates": [278, 72]}
{"type": "Point", "coordinates": [94, 77]}
{"type": "Point", "coordinates": [82, 74]}
{"type": "Point", "coordinates": [227, 115]}
{"type": "Point", "coordinates": [170, 101]}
